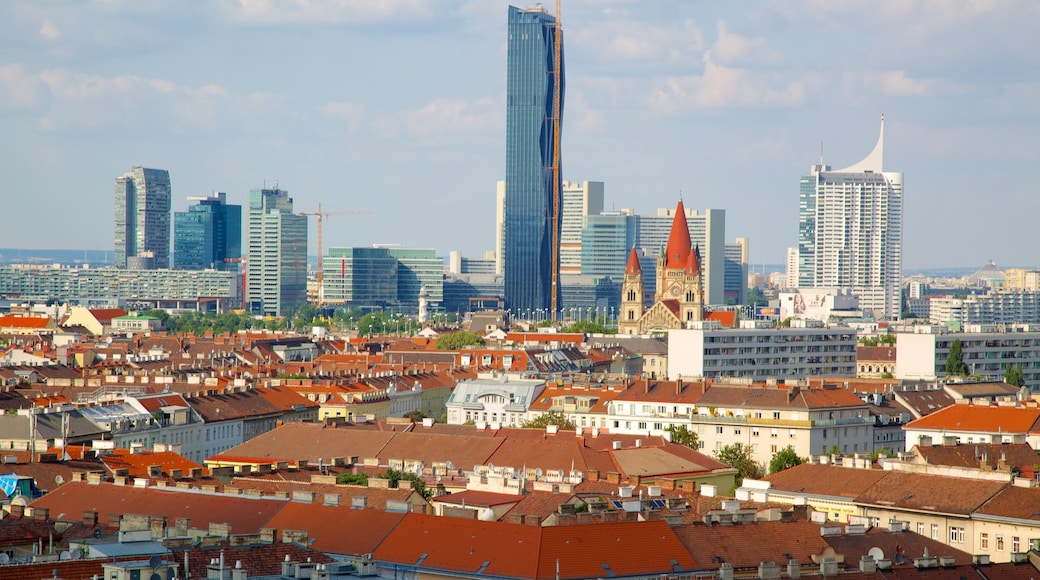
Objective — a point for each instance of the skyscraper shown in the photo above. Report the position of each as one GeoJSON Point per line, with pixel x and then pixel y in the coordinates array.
{"type": "Point", "coordinates": [580, 200]}
{"type": "Point", "coordinates": [850, 232]}
{"type": "Point", "coordinates": [532, 158]}
{"type": "Point", "coordinates": [276, 277]}
{"type": "Point", "coordinates": [142, 224]}
{"type": "Point", "coordinates": [206, 234]}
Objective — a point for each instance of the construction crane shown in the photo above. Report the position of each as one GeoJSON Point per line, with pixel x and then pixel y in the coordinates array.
{"type": "Point", "coordinates": [245, 296]}
{"type": "Point", "coordinates": [321, 238]}
{"type": "Point", "coordinates": [557, 104]}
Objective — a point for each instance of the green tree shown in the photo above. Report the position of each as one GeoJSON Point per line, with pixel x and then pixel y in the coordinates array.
{"type": "Point", "coordinates": [551, 418]}
{"type": "Point", "coordinates": [740, 457]}
{"type": "Point", "coordinates": [352, 479]}
{"type": "Point", "coordinates": [955, 360]}
{"type": "Point", "coordinates": [460, 339]}
{"type": "Point", "coordinates": [416, 416]}
{"type": "Point", "coordinates": [683, 435]}
{"type": "Point", "coordinates": [1013, 376]}
{"type": "Point", "coordinates": [395, 476]}
{"type": "Point", "coordinates": [784, 459]}
{"type": "Point", "coordinates": [756, 297]}
{"type": "Point", "coordinates": [589, 327]}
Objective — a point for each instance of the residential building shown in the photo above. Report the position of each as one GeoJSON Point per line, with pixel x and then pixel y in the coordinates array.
{"type": "Point", "coordinates": [580, 200]}
{"type": "Point", "coordinates": [760, 352]}
{"type": "Point", "coordinates": [967, 424]}
{"type": "Point", "coordinates": [142, 225]}
{"type": "Point", "coordinates": [987, 350]}
{"type": "Point", "coordinates": [208, 234]}
{"type": "Point", "coordinates": [276, 279]}
{"type": "Point", "coordinates": [850, 231]}
{"type": "Point", "coordinates": [1021, 279]}
{"type": "Point", "coordinates": [136, 322]}
{"type": "Point", "coordinates": [994, 307]}
{"type": "Point", "coordinates": [501, 401]}
{"type": "Point", "coordinates": [533, 166]}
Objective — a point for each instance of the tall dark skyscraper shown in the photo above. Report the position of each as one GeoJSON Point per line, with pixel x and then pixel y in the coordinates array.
{"type": "Point", "coordinates": [532, 159]}
{"type": "Point", "coordinates": [142, 228]}
{"type": "Point", "coordinates": [206, 234]}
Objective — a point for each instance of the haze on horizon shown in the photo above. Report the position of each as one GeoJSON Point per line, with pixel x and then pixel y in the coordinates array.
{"type": "Point", "coordinates": [397, 107]}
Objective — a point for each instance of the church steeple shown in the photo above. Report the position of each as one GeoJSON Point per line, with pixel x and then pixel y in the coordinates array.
{"type": "Point", "coordinates": [677, 252]}
{"type": "Point", "coordinates": [633, 266]}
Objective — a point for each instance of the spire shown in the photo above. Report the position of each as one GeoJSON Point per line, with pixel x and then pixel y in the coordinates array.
{"type": "Point", "coordinates": [633, 266]}
{"type": "Point", "coordinates": [693, 264]}
{"type": "Point", "coordinates": [873, 161]}
{"type": "Point", "coordinates": [677, 252]}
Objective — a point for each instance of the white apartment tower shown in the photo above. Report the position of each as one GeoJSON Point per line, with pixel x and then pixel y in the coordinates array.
{"type": "Point", "coordinates": [850, 231]}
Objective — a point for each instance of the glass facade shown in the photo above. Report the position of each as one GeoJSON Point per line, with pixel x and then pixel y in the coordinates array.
{"type": "Point", "coordinates": [142, 218]}
{"type": "Point", "coordinates": [206, 234]}
{"type": "Point", "coordinates": [605, 242]}
{"type": "Point", "coordinates": [360, 277]}
{"type": "Point", "coordinates": [530, 81]}
{"type": "Point", "coordinates": [276, 253]}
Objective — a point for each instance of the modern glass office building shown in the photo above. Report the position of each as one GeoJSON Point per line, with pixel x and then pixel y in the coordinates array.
{"type": "Point", "coordinates": [850, 232]}
{"type": "Point", "coordinates": [276, 253]}
{"type": "Point", "coordinates": [382, 277]}
{"type": "Point", "coordinates": [142, 219]}
{"type": "Point", "coordinates": [207, 234]}
{"type": "Point", "coordinates": [528, 216]}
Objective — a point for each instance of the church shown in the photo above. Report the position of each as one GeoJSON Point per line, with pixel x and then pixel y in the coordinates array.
{"type": "Point", "coordinates": [678, 299]}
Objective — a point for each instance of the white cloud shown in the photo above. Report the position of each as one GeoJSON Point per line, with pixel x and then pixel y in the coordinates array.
{"type": "Point", "coordinates": [730, 48]}
{"type": "Point", "coordinates": [324, 11]}
{"type": "Point", "coordinates": [895, 82]}
{"type": "Point", "coordinates": [353, 114]}
{"type": "Point", "coordinates": [614, 40]}
{"type": "Point", "coordinates": [49, 31]}
{"type": "Point", "coordinates": [18, 90]}
{"type": "Point", "coordinates": [442, 120]}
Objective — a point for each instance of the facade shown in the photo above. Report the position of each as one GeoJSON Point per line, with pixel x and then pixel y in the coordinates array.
{"type": "Point", "coordinates": [108, 287]}
{"type": "Point", "coordinates": [850, 232]}
{"type": "Point", "coordinates": [679, 295]}
{"type": "Point", "coordinates": [579, 201]}
{"type": "Point", "coordinates": [604, 242]}
{"type": "Point", "coordinates": [142, 219]}
{"type": "Point", "coordinates": [760, 352]}
{"type": "Point", "coordinates": [707, 233]}
{"type": "Point", "coordinates": [381, 277]}
{"type": "Point", "coordinates": [738, 254]}
{"type": "Point", "coordinates": [207, 234]}
{"type": "Point", "coordinates": [531, 157]}
{"type": "Point", "coordinates": [995, 307]}
{"type": "Point", "coordinates": [502, 401]}
{"type": "Point", "coordinates": [988, 351]}
{"type": "Point", "coordinates": [276, 253]}
{"type": "Point", "coordinates": [418, 268]}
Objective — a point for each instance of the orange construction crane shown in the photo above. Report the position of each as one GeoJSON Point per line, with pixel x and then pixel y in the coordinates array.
{"type": "Point", "coordinates": [245, 297]}
{"type": "Point", "coordinates": [321, 239]}
{"type": "Point", "coordinates": [557, 104]}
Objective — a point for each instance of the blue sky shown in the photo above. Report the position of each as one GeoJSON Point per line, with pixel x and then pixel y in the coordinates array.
{"type": "Point", "coordinates": [397, 107]}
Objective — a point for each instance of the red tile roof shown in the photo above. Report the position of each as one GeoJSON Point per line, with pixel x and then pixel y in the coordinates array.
{"type": "Point", "coordinates": [338, 530]}
{"type": "Point", "coordinates": [14, 321]}
{"type": "Point", "coordinates": [138, 464]}
{"type": "Point", "coordinates": [633, 266]}
{"type": "Point", "coordinates": [973, 418]}
{"type": "Point", "coordinates": [677, 251]}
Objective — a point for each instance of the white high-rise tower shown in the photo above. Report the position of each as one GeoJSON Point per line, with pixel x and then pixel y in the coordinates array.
{"type": "Point", "coordinates": [850, 232]}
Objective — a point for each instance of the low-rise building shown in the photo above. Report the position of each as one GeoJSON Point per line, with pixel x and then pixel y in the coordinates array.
{"type": "Point", "coordinates": [987, 350]}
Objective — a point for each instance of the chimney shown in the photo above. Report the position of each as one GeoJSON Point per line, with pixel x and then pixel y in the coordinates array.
{"type": "Point", "coordinates": [90, 518]}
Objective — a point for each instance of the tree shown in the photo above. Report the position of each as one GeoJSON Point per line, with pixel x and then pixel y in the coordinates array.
{"type": "Point", "coordinates": [1013, 376]}
{"type": "Point", "coordinates": [352, 479]}
{"type": "Point", "coordinates": [784, 459]}
{"type": "Point", "coordinates": [460, 339]}
{"type": "Point", "coordinates": [589, 327]}
{"type": "Point", "coordinates": [418, 484]}
{"type": "Point", "coordinates": [683, 435]}
{"type": "Point", "coordinates": [416, 416]}
{"type": "Point", "coordinates": [955, 360]}
{"type": "Point", "coordinates": [551, 418]}
{"type": "Point", "coordinates": [740, 458]}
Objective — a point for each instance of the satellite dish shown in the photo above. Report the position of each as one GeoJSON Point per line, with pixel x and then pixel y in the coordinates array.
{"type": "Point", "coordinates": [876, 553]}
{"type": "Point", "coordinates": [77, 555]}
{"type": "Point", "coordinates": [97, 533]}
{"type": "Point", "coordinates": [449, 465]}
{"type": "Point", "coordinates": [4, 558]}
{"type": "Point", "coordinates": [58, 479]}
{"type": "Point", "coordinates": [154, 562]}
{"type": "Point", "coordinates": [538, 472]}
{"type": "Point", "coordinates": [155, 576]}
{"type": "Point", "coordinates": [65, 555]}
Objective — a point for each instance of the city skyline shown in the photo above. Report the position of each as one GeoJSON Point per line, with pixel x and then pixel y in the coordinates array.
{"type": "Point", "coordinates": [720, 103]}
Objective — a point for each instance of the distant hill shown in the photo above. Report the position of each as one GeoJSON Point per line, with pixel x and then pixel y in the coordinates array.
{"type": "Point", "coordinates": [96, 258]}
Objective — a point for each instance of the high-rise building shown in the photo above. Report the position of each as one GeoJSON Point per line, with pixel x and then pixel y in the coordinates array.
{"type": "Point", "coordinates": [737, 255]}
{"type": "Point", "coordinates": [207, 234]}
{"type": "Point", "coordinates": [850, 232]}
{"type": "Point", "coordinates": [533, 165]}
{"type": "Point", "coordinates": [276, 254]}
{"type": "Point", "coordinates": [383, 277]}
{"type": "Point", "coordinates": [579, 201]}
{"type": "Point", "coordinates": [708, 235]}
{"type": "Point", "coordinates": [605, 241]}
{"type": "Point", "coordinates": [142, 225]}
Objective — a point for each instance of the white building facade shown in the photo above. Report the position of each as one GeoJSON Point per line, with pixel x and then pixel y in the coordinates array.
{"type": "Point", "coordinates": [988, 351]}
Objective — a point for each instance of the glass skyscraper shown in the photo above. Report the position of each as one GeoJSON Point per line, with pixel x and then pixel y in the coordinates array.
{"type": "Point", "coordinates": [206, 234]}
{"type": "Point", "coordinates": [142, 219]}
{"type": "Point", "coordinates": [528, 215]}
{"type": "Point", "coordinates": [276, 238]}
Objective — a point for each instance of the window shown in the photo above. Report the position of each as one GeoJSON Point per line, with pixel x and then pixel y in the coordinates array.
{"type": "Point", "coordinates": [736, 430]}
{"type": "Point", "coordinates": [642, 425]}
{"type": "Point", "coordinates": [776, 414]}
{"type": "Point", "coordinates": [1000, 543]}
{"type": "Point", "coordinates": [754, 431]}
{"type": "Point", "coordinates": [935, 531]}
{"type": "Point", "coordinates": [772, 448]}
{"type": "Point", "coordinates": [984, 541]}
{"type": "Point", "coordinates": [920, 528]}
{"type": "Point", "coordinates": [1016, 544]}
{"type": "Point", "coordinates": [773, 433]}
{"type": "Point", "coordinates": [956, 535]}
{"type": "Point", "coordinates": [718, 446]}
{"type": "Point", "coordinates": [791, 433]}
{"type": "Point", "coordinates": [718, 429]}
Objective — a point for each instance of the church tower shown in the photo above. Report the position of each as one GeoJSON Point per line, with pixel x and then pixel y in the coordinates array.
{"type": "Point", "coordinates": [632, 289]}
{"type": "Point", "coordinates": [691, 306]}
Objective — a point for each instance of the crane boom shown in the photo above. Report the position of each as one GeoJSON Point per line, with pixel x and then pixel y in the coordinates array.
{"type": "Point", "coordinates": [557, 105]}
{"type": "Point", "coordinates": [321, 237]}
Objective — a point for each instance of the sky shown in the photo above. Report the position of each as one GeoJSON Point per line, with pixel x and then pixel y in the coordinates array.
{"type": "Point", "coordinates": [397, 107]}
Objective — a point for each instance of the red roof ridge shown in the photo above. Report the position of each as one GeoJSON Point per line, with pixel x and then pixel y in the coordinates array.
{"type": "Point", "coordinates": [633, 266]}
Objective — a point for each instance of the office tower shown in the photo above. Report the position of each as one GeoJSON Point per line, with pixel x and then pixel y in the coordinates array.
{"type": "Point", "coordinates": [533, 116]}
{"type": "Point", "coordinates": [142, 229]}
{"type": "Point", "coordinates": [383, 277]}
{"type": "Point", "coordinates": [276, 267]}
{"type": "Point", "coordinates": [708, 235]}
{"type": "Point", "coordinates": [207, 234]}
{"type": "Point", "coordinates": [579, 201]}
{"type": "Point", "coordinates": [737, 254]}
{"type": "Point", "coordinates": [850, 232]}
{"type": "Point", "coordinates": [605, 243]}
